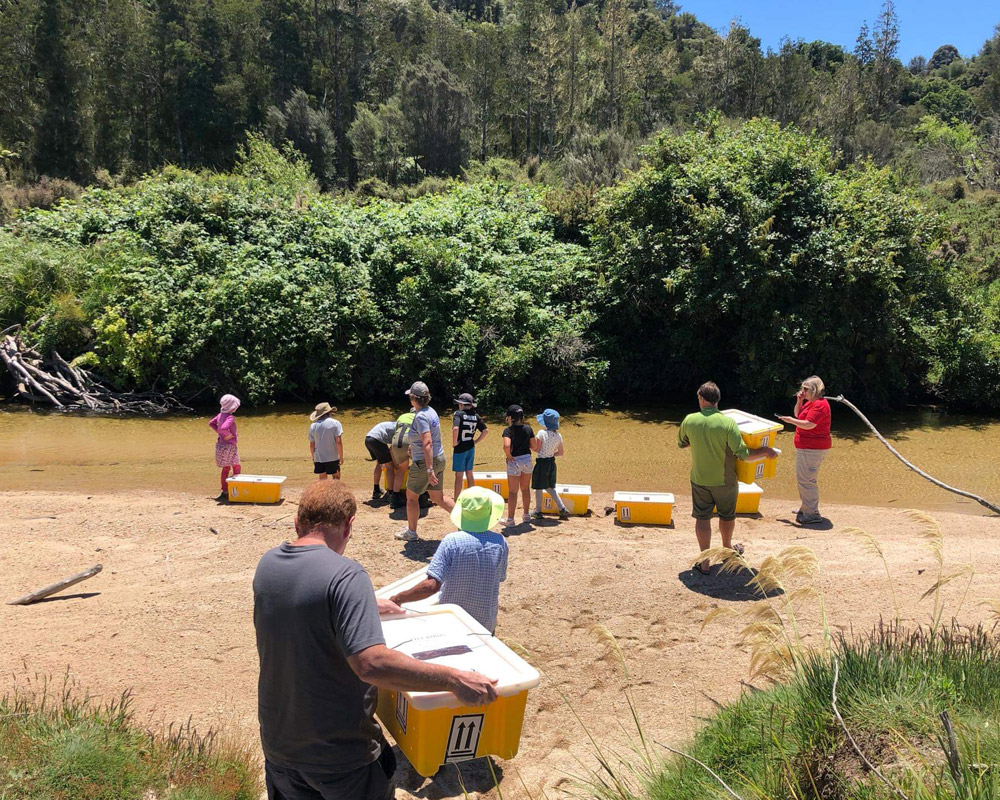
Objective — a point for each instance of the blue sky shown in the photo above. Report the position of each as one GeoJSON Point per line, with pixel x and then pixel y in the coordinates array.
{"type": "Point", "coordinates": [923, 25]}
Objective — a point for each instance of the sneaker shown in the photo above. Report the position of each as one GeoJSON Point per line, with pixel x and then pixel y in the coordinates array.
{"type": "Point", "coordinates": [222, 496]}
{"type": "Point", "coordinates": [407, 535]}
{"type": "Point", "coordinates": [811, 519]}
{"type": "Point", "coordinates": [508, 523]}
{"type": "Point", "coordinates": [564, 514]}
{"type": "Point", "coordinates": [536, 514]}
{"type": "Point", "coordinates": [397, 500]}
{"type": "Point", "coordinates": [527, 518]}
{"type": "Point", "coordinates": [425, 500]}
{"type": "Point", "coordinates": [376, 494]}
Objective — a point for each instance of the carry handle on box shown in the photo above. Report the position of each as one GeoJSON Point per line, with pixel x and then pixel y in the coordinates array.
{"type": "Point", "coordinates": [756, 431]}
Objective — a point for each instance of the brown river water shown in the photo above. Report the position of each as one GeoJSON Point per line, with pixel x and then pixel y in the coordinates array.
{"type": "Point", "coordinates": [611, 450]}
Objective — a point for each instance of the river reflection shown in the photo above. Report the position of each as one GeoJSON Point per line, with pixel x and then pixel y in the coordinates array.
{"type": "Point", "coordinates": [622, 449]}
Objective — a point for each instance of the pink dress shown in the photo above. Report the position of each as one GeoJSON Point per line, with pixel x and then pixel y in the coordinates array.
{"type": "Point", "coordinates": [226, 452]}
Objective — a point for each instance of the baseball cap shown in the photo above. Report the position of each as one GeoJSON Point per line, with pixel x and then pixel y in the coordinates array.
{"type": "Point", "coordinates": [418, 389]}
{"type": "Point", "coordinates": [515, 412]}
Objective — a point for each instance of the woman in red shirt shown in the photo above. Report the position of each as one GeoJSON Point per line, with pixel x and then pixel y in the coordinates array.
{"type": "Point", "coordinates": [811, 419]}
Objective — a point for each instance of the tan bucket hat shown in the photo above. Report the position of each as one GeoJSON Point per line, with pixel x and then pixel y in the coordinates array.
{"type": "Point", "coordinates": [321, 411]}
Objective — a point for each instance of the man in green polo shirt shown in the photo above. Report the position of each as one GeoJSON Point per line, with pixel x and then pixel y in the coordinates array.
{"type": "Point", "coordinates": [715, 444]}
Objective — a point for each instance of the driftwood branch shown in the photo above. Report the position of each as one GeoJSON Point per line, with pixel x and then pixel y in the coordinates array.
{"type": "Point", "coordinates": [57, 383]}
{"type": "Point", "coordinates": [52, 588]}
{"type": "Point", "coordinates": [991, 506]}
{"type": "Point", "coordinates": [843, 726]}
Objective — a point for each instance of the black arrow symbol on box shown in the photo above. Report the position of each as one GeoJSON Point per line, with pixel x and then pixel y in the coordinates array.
{"type": "Point", "coordinates": [472, 730]}
{"type": "Point", "coordinates": [458, 736]}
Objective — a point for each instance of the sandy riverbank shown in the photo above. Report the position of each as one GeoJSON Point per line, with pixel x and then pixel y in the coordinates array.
{"type": "Point", "coordinates": [170, 616]}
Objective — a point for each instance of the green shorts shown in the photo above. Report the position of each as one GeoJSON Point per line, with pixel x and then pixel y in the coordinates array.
{"type": "Point", "coordinates": [705, 499]}
{"type": "Point", "coordinates": [417, 481]}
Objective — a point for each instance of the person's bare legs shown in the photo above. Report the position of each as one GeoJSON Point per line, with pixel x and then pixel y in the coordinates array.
{"type": "Point", "coordinates": [470, 480]}
{"type": "Point", "coordinates": [412, 509]}
{"type": "Point", "coordinates": [513, 483]}
{"type": "Point", "coordinates": [322, 476]}
{"type": "Point", "coordinates": [439, 498]}
{"type": "Point", "coordinates": [726, 529]}
{"type": "Point", "coordinates": [377, 475]}
{"type": "Point", "coordinates": [703, 530]}
{"type": "Point", "coordinates": [459, 479]}
{"type": "Point", "coordinates": [390, 475]}
{"type": "Point", "coordinates": [397, 481]}
{"type": "Point", "coordinates": [526, 492]}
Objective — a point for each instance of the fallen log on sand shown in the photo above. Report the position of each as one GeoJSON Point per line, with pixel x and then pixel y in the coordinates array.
{"type": "Point", "coordinates": [52, 588]}
{"type": "Point", "coordinates": [57, 383]}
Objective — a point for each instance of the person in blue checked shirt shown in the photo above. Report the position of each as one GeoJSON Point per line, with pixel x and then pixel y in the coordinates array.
{"type": "Point", "coordinates": [471, 563]}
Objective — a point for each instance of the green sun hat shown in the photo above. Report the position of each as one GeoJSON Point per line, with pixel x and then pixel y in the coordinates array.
{"type": "Point", "coordinates": [477, 509]}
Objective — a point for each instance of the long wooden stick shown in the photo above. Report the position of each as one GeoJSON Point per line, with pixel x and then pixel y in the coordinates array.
{"type": "Point", "coordinates": [914, 467]}
{"type": "Point", "coordinates": [52, 588]}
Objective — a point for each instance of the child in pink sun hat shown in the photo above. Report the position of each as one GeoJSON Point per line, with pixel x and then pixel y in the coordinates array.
{"type": "Point", "coordinates": [227, 455]}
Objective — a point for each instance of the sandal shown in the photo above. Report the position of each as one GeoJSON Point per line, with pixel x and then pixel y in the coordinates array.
{"type": "Point", "coordinates": [697, 568]}
{"type": "Point", "coordinates": [737, 548]}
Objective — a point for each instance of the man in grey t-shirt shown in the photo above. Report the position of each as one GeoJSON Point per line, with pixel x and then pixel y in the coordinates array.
{"type": "Point", "coordinates": [322, 653]}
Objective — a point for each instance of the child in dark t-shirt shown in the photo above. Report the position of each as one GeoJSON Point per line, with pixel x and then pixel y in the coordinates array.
{"type": "Point", "coordinates": [465, 424]}
{"type": "Point", "coordinates": [518, 439]}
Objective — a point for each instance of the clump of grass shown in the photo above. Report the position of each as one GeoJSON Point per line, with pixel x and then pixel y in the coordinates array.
{"type": "Point", "coordinates": [65, 745]}
{"type": "Point", "coordinates": [786, 744]}
{"type": "Point", "coordinates": [771, 629]}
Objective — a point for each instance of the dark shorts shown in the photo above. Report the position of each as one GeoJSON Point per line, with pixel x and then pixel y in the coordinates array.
{"type": "Point", "coordinates": [378, 450]}
{"type": "Point", "coordinates": [543, 476]}
{"type": "Point", "coordinates": [705, 499]}
{"type": "Point", "coordinates": [373, 782]}
{"type": "Point", "coordinates": [329, 467]}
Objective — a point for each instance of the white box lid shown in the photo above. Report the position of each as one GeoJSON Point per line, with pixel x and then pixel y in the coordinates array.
{"type": "Point", "coordinates": [749, 423]}
{"type": "Point", "coordinates": [489, 476]}
{"type": "Point", "coordinates": [644, 497]}
{"type": "Point", "coordinates": [572, 488]}
{"type": "Point", "coordinates": [420, 634]}
{"type": "Point", "coordinates": [750, 488]}
{"type": "Point", "coordinates": [243, 478]}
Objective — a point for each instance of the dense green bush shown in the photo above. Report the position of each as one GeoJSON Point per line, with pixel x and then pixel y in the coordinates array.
{"type": "Point", "coordinates": [257, 283]}
{"type": "Point", "coordinates": [742, 255]}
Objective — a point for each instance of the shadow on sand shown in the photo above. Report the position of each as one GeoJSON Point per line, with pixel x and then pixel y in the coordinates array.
{"type": "Point", "coordinates": [724, 586]}
{"type": "Point", "coordinates": [452, 780]}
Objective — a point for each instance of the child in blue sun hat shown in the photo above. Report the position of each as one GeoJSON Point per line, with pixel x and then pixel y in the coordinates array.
{"type": "Point", "coordinates": [548, 444]}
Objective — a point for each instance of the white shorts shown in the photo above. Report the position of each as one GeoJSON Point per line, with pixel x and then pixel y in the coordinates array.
{"type": "Point", "coordinates": [521, 465]}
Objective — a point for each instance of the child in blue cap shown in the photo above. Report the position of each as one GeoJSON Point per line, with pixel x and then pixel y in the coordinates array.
{"type": "Point", "coordinates": [548, 444]}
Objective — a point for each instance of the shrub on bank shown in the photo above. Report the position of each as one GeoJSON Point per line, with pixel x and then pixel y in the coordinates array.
{"type": "Point", "coordinates": [744, 255]}
{"type": "Point", "coordinates": [69, 746]}
{"type": "Point", "coordinates": [256, 282]}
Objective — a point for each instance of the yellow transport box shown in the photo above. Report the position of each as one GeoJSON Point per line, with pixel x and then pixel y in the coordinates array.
{"type": "Point", "coordinates": [750, 471]}
{"type": "Point", "coordinates": [433, 728]}
{"type": "Point", "coordinates": [255, 488]}
{"type": "Point", "coordinates": [385, 478]}
{"type": "Point", "coordinates": [494, 481]}
{"type": "Point", "coordinates": [576, 498]}
{"type": "Point", "coordinates": [644, 508]}
{"type": "Point", "coordinates": [749, 500]}
{"type": "Point", "coordinates": [756, 431]}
